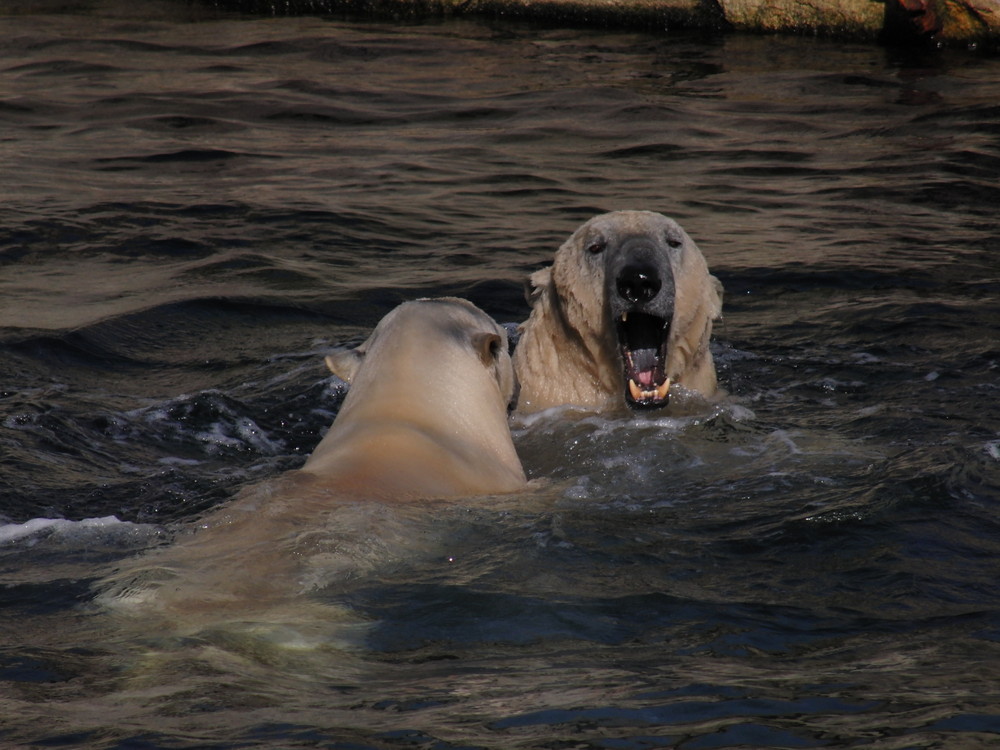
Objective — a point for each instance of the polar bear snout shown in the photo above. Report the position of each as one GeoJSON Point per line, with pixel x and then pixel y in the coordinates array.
{"type": "Point", "coordinates": [638, 284]}
{"type": "Point", "coordinates": [639, 278]}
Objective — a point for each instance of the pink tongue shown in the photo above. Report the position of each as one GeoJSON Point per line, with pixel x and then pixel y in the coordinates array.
{"type": "Point", "coordinates": [645, 377]}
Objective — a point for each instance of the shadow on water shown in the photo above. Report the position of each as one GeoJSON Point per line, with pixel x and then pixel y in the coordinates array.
{"type": "Point", "coordinates": [201, 208]}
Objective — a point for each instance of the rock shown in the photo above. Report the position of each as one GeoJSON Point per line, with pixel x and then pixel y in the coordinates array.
{"type": "Point", "coordinates": [853, 19]}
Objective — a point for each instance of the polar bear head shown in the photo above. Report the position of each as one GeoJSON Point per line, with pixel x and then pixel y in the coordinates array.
{"type": "Point", "coordinates": [426, 411]}
{"type": "Point", "coordinates": [625, 310]}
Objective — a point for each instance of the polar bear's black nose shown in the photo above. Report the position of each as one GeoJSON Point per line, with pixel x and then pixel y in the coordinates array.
{"type": "Point", "coordinates": [638, 284]}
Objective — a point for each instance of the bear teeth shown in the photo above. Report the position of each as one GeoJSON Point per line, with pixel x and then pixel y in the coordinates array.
{"type": "Point", "coordinates": [638, 394]}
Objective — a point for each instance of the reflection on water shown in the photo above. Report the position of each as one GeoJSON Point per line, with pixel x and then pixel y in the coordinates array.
{"type": "Point", "coordinates": [195, 209]}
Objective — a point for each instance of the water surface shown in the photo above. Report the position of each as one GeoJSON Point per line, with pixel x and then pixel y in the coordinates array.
{"type": "Point", "coordinates": [195, 208]}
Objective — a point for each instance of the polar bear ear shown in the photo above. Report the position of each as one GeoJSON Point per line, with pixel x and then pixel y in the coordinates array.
{"type": "Point", "coordinates": [487, 346]}
{"type": "Point", "coordinates": [536, 284]}
{"type": "Point", "coordinates": [344, 362]}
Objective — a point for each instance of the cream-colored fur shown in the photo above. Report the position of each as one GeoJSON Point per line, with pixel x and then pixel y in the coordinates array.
{"type": "Point", "coordinates": [569, 352]}
{"type": "Point", "coordinates": [426, 413]}
{"type": "Point", "coordinates": [425, 417]}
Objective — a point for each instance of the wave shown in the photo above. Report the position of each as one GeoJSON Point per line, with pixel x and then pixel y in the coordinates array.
{"type": "Point", "coordinates": [108, 530]}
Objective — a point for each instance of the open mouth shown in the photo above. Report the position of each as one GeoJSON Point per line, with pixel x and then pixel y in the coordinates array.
{"type": "Point", "coordinates": [642, 339]}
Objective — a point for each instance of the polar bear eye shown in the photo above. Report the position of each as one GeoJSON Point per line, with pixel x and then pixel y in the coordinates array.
{"type": "Point", "coordinates": [597, 246]}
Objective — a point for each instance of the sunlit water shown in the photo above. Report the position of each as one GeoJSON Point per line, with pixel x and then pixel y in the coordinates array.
{"type": "Point", "coordinates": [195, 209]}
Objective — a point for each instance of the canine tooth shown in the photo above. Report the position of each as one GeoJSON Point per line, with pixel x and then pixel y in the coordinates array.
{"type": "Point", "coordinates": [625, 316]}
{"type": "Point", "coordinates": [633, 388]}
{"type": "Point", "coordinates": [661, 392]}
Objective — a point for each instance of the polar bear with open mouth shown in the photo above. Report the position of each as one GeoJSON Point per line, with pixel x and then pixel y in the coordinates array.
{"type": "Point", "coordinates": [624, 312]}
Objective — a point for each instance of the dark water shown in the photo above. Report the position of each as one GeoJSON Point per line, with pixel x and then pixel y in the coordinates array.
{"type": "Point", "coordinates": [195, 209]}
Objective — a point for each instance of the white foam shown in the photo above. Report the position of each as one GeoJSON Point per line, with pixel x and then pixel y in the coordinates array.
{"type": "Point", "coordinates": [609, 424]}
{"type": "Point", "coordinates": [13, 532]}
{"type": "Point", "coordinates": [993, 450]}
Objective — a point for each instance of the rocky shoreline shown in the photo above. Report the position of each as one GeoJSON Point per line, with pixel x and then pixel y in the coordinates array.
{"type": "Point", "coordinates": [973, 24]}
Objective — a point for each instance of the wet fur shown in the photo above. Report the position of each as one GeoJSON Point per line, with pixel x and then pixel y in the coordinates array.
{"type": "Point", "coordinates": [425, 417]}
{"type": "Point", "coordinates": [568, 350]}
{"type": "Point", "coordinates": [426, 414]}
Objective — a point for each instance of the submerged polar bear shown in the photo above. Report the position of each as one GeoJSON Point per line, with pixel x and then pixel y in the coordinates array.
{"type": "Point", "coordinates": [626, 308]}
{"type": "Point", "coordinates": [425, 417]}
